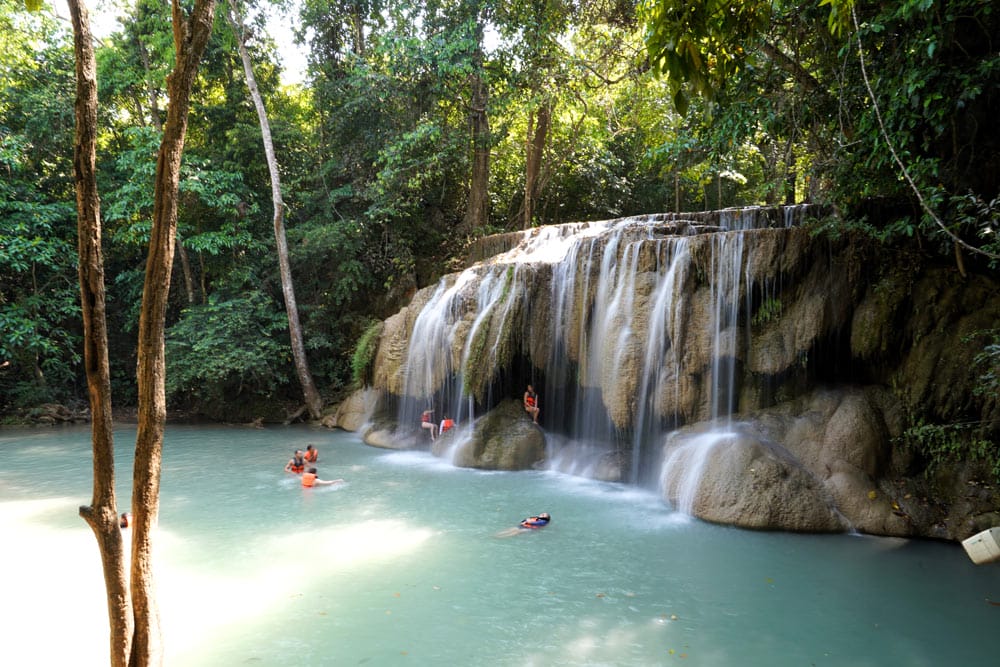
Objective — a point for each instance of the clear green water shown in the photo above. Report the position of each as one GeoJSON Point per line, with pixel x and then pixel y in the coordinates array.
{"type": "Point", "coordinates": [403, 566]}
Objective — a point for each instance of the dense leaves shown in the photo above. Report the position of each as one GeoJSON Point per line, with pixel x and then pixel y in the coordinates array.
{"type": "Point", "coordinates": [562, 110]}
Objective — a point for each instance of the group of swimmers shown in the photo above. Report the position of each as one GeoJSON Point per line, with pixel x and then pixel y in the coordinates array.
{"type": "Point", "coordinates": [310, 476]}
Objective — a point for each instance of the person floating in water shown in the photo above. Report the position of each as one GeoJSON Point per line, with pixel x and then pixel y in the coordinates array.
{"type": "Point", "coordinates": [531, 403]}
{"type": "Point", "coordinates": [531, 523]}
{"type": "Point", "coordinates": [311, 455]}
{"type": "Point", "coordinates": [311, 478]}
{"type": "Point", "coordinates": [297, 464]}
{"type": "Point", "coordinates": [539, 521]}
{"type": "Point", "coordinates": [427, 422]}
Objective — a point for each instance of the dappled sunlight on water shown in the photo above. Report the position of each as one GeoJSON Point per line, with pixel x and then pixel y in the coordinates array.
{"type": "Point", "coordinates": [401, 564]}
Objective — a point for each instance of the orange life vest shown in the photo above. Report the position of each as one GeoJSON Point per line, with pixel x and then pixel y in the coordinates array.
{"type": "Point", "coordinates": [308, 478]}
{"type": "Point", "coordinates": [312, 455]}
{"type": "Point", "coordinates": [529, 400]}
{"type": "Point", "coordinates": [298, 466]}
{"type": "Point", "coordinates": [447, 424]}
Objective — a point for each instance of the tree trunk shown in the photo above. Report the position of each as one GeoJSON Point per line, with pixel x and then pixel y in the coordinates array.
{"type": "Point", "coordinates": [313, 400]}
{"type": "Point", "coordinates": [191, 34]}
{"type": "Point", "coordinates": [102, 513]}
{"type": "Point", "coordinates": [534, 147]}
{"type": "Point", "coordinates": [477, 211]}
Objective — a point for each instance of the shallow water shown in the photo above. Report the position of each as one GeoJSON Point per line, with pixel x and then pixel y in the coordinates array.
{"type": "Point", "coordinates": [403, 565]}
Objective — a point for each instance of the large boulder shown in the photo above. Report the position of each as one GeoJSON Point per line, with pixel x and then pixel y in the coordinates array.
{"type": "Point", "coordinates": [503, 439]}
{"type": "Point", "coordinates": [812, 464]}
{"type": "Point", "coordinates": [743, 480]}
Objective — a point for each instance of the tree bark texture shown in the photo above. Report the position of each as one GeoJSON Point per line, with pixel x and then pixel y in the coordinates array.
{"type": "Point", "coordinates": [314, 402]}
{"type": "Point", "coordinates": [538, 130]}
{"type": "Point", "coordinates": [102, 513]}
{"type": "Point", "coordinates": [191, 34]}
{"type": "Point", "coordinates": [477, 211]}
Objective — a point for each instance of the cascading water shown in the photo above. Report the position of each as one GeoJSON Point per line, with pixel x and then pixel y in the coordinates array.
{"type": "Point", "coordinates": [642, 334]}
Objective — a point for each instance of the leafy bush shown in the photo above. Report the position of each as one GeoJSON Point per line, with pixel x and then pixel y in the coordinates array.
{"type": "Point", "coordinates": [364, 354]}
{"type": "Point", "coordinates": [228, 348]}
{"type": "Point", "coordinates": [947, 444]}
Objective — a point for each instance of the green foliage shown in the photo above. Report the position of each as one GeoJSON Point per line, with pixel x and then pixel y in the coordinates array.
{"type": "Point", "coordinates": [988, 362]}
{"type": "Point", "coordinates": [362, 361]}
{"type": "Point", "coordinates": [227, 350]}
{"type": "Point", "coordinates": [769, 311]}
{"type": "Point", "coordinates": [699, 45]}
{"type": "Point", "coordinates": [948, 444]}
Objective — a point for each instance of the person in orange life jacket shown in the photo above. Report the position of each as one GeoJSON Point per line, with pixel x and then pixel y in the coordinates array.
{"type": "Point", "coordinates": [425, 422]}
{"type": "Point", "coordinates": [310, 478]}
{"type": "Point", "coordinates": [446, 424]}
{"type": "Point", "coordinates": [311, 455]}
{"type": "Point", "coordinates": [296, 464]}
{"type": "Point", "coordinates": [531, 403]}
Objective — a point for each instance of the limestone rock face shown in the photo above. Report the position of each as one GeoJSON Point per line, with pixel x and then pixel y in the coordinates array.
{"type": "Point", "coordinates": [503, 439]}
{"type": "Point", "coordinates": [354, 411]}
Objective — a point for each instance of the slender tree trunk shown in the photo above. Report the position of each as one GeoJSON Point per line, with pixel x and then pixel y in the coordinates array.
{"type": "Point", "coordinates": [314, 402]}
{"type": "Point", "coordinates": [191, 34]}
{"type": "Point", "coordinates": [477, 211]}
{"type": "Point", "coordinates": [102, 513]}
{"type": "Point", "coordinates": [534, 148]}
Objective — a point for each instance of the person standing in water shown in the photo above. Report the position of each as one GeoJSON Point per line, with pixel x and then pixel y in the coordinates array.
{"type": "Point", "coordinates": [531, 403]}
{"type": "Point", "coordinates": [311, 455]}
{"type": "Point", "coordinates": [296, 464]}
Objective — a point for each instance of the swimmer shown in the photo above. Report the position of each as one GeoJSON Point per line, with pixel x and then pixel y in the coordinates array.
{"type": "Point", "coordinates": [532, 522]}
{"type": "Point", "coordinates": [539, 521]}
{"type": "Point", "coordinates": [310, 479]}
{"type": "Point", "coordinates": [311, 455]}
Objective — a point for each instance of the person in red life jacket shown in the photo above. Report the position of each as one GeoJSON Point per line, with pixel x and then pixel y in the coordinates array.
{"type": "Point", "coordinates": [311, 478]}
{"type": "Point", "coordinates": [296, 464]}
{"type": "Point", "coordinates": [539, 521]}
{"type": "Point", "coordinates": [531, 403]}
{"type": "Point", "coordinates": [446, 424]}
{"type": "Point", "coordinates": [126, 520]}
{"type": "Point", "coordinates": [426, 421]}
{"type": "Point", "coordinates": [311, 455]}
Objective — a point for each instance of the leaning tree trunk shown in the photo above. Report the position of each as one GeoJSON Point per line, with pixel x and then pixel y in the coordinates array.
{"type": "Point", "coordinates": [314, 402]}
{"type": "Point", "coordinates": [102, 513]}
{"type": "Point", "coordinates": [191, 34]}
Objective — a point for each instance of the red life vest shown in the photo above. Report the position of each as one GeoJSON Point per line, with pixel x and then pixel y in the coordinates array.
{"type": "Point", "coordinates": [529, 400]}
{"type": "Point", "coordinates": [308, 479]}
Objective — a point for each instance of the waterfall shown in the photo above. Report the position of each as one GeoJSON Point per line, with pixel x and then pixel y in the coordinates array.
{"type": "Point", "coordinates": [628, 329]}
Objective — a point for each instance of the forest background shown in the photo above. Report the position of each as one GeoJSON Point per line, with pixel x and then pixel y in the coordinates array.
{"type": "Point", "coordinates": [420, 127]}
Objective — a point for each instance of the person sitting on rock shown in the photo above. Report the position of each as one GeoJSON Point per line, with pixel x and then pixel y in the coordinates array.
{"type": "Point", "coordinates": [531, 403]}
{"type": "Point", "coordinates": [427, 422]}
